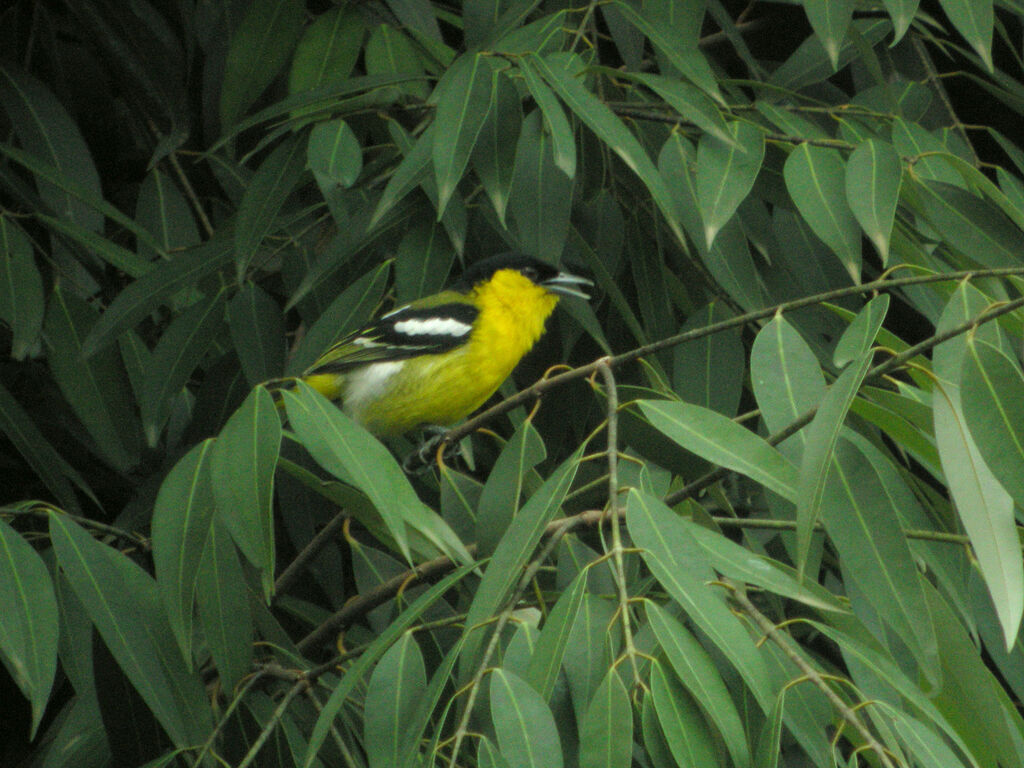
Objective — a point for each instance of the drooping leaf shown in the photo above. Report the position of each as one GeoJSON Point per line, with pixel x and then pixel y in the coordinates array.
{"type": "Point", "coordinates": [391, 698]}
{"type": "Point", "coordinates": [873, 175]}
{"type": "Point", "coordinates": [21, 289]}
{"type": "Point", "coordinates": [830, 20]}
{"type": "Point", "coordinates": [726, 173]}
{"type": "Point", "coordinates": [463, 101]}
{"type": "Point", "coordinates": [242, 464]}
{"type": "Point", "coordinates": [28, 633]}
{"type": "Point", "coordinates": [124, 604]}
{"type": "Point", "coordinates": [815, 177]}
{"type": "Point", "coordinates": [525, 727]}
{"type": "Point", "coordinates": [182, 515]}
{"type": "Point", "coordinates": [222, 597]}
{"type": "Point", "coordinates": [271, 28]}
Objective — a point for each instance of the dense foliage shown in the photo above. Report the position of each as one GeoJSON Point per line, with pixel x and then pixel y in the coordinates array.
{"type": "Point", "coordinates": [769, 519]}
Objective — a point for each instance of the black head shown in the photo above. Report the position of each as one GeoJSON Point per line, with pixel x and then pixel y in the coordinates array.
{"type": "Point", "coordinates": [537, 271]}
{"type": "Point", "coordinates": [481, 271]}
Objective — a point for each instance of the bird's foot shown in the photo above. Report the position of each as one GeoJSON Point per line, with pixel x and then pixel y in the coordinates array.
{"type": "Point", "coordinates": [422, 458]}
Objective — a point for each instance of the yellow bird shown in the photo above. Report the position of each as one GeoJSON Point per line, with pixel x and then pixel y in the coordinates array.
{"type": "Point", "coordinates": [436, 360]}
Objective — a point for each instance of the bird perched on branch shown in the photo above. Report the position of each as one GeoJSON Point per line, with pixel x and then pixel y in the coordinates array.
{"type": "Point", "coordinates": [437, 359]}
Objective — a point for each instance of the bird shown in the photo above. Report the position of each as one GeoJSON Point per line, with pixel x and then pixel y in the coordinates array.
{"type": "Point", "coordinates": [432, 362]}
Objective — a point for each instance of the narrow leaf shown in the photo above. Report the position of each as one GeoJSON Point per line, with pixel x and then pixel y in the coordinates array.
{"type": "Point", "coordinates": [526, 731]}
{"type": "Point", "coordinates": [181, 523]}
{"type": "Point", "coordinates": [722, 441]}
{"type": "Point", "coordinates": [815, 178]}
{"type": "Point", "coordinates": [391, 699]}
{"type": "Point", "coordinates": [816, 462]}
{"type": "Point", "coordinates": [463, 102]}
{"type": "Point", "coordinates": [725, 174]}
{"type": "Point", "coordinates": [242, 464]}
{"type": "Point", "coordinates": [873, 175]}
{"type": "Point", "coordinates": [28, 632]}
{"type": "Point", "coordinates": [21, 289]}
{"type": "Point", "coordinates": [606, 733]}
{"type": "Point", "coordinates": [830, 19]}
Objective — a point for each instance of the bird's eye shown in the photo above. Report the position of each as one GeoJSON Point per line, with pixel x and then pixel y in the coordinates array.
{"type": "Point", "coordinates": [530, 273]}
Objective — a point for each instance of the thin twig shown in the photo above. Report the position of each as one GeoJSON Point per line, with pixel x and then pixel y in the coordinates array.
{"type": "Point", "coordinates": [310, 551]}
{"type": "Point", "coordinates": [542, 386]}
{"type": "Point", "coordinates": [782, 641]}
{"type": "Point", "coordinates": [613, 512]}
{"type": "Point", "coordinates": [271, 724]}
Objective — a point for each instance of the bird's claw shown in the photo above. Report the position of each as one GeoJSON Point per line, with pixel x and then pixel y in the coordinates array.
{"type": "Point", "coordinates": [422, 458]}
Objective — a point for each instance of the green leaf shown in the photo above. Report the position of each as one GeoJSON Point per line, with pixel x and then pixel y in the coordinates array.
{"type": "Point", "coordinates": [785, 375]}
{"type": "Point", "coordinates": [546, 661]}
{"type": "Point", "coordinates": [422, 262]}
{"type": "Point", "coordinates": [49, 466]}
{"type": "Point", "coordinates": [28, 633]}
{"type": "Point", "coordinates": [334, 155]}
{"type": "Point", "coordinates": [347, 312]}
{"type": "Point", "coordinates": [163, 211]}
{"type": "Point", "coordinates": [984, 507]}
{"type": "Point", "coordinates": [354, 674]}
{"type": "Point", "coordinates": [123, 602]}
{"type": "Point", "coordinates": [149, 292]}
{"type": "Point", "coordinates": [709, 370]}
{"type": "Point", "coordinates": [686, 58]}
{"type": "Point", "coordinates": [181, 523]}
{"type": "Point", "coordinates": [328, 50]}
{"type": "Point", "coordinates": [392, 696]}
{"type": "Point", "coordinates": [815, 178]}
{"type": "Point", "coordinates": [606, 733]}
{"type": "Point", "coordinates": [264, 196]}
{"type": "Point", "coordinates": [222, 597]}
{"type": "Point", "coordinates": [562, 139]}
{"type": "Point", "coordinates": [46, 131]}
{"type": "Point", "coordinates": [494, 154]}
{"type": "Point", "coordinates": [540, 195]}
{"type": "Point", "coordinates": [902, 13]}
{"type": "Point", "coordinates": [242, 464]}
{"type": "Point", "coordinates": [259, 48]}
{"type": "Point", "coordinates": [21, 289]}
{"type": "Point", "coordinates": [874, 173]}
{"type": "Point", "coordinates": [499, 500]}
{"type": "Point", "coordinates": [512, 553]}
{"type": "Point", "coordinates": [96, 245]}
{"type": "Point", "coordinates": [974, 19]}
{"type": "Point", "coordinates": [739, 563]}
{"type": "Point", "coordinates": [858, 515]}
{"type": "Point", "coordinates": [971, 225]}
{"type": "Point", "coordinates": [687, 582]}
{"type": "Point", "coordinates": [830, 19]}
{"type": "Point", "coordinates": [559, 72]}
{"type": "Point", "coordinates": [722, 441]}
{"type": "Point", "coordinates": [725, 174]}
{"type": "Point", "coordinates": [992, 397]}
{"type": "Point", "coordinates": [463, 100]}
{"type": "Point", "coordinates": [860, 335]}
{"type": "Point", "coordinates": [180, 349]}
{"type": "Point", "coordinates": [699, 675]}
{"type": "Point", "coordinates": [408, 175]}
{"type": "Point", "coordinates": [390, 51]}
{"type": "Point", "coordinates": [817, 462]}
{"type": "Point", "coordinates": [690, 102]}
{"type": "Point", "coordinates": [257, 331]}
{"type": "Point", "coordinates": [526, 730]}
{"type": "Point", "coordinates": [96, 388]}
{"type": "Point", "coordinates": [349, 452]}
{"type": "Point", "coordinates": [681, 722]}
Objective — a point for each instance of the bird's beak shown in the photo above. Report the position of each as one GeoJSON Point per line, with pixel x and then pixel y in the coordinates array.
{"type": "Point", "coordinates": [566, 284]}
